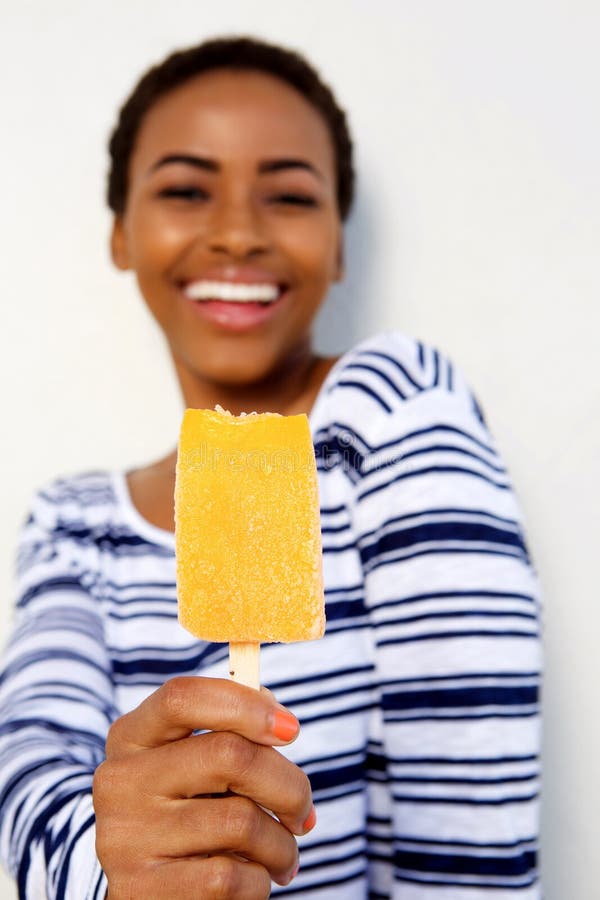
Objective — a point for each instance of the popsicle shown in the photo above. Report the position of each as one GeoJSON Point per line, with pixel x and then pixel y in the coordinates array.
{"type": "Point", "coordinates": [247, 533]}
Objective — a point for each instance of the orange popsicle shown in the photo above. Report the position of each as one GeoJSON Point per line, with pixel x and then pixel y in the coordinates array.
{"type": "Point", "coordinates": [247, 532]}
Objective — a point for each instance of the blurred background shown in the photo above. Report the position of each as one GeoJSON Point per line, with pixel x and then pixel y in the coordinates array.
{"type": "Point", "coordinates": [477, 229]}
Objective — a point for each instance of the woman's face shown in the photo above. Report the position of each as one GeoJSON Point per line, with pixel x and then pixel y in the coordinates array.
{"type": "Point", "coordinates": [231, 223]}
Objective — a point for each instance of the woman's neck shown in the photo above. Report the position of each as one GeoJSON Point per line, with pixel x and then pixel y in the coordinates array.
{"type": "Point", "coordinates": [151, 487]}
{"type": "Point", "coordinates": [292, 389]}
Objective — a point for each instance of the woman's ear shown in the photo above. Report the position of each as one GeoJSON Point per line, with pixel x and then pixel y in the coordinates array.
{"type": "Point", "coordinates": [118, 244]}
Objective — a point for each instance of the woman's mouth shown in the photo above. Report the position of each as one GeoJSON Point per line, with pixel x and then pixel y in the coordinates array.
{"type": "Point", "coordinates": [235, 305]}
{"type": "Point", "coordinates": [233, 292]}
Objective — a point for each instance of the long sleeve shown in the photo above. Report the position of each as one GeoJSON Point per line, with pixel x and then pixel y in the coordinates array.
{"type": "Point", "coordinates": [453, 600]}
{"type": "Point", "coordinates": [434, 536]}
{"type": "Point", "coordinates": [55, 709]}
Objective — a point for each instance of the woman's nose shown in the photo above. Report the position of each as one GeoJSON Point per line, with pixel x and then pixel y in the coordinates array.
{"type": "Point", "coordinates": [236, 230]}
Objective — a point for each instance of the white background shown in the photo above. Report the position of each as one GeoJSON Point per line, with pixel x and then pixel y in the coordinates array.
{"type": "Point", "coordinates": [477, 228]}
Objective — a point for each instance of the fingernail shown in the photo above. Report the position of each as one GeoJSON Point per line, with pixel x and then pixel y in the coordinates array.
{"type": "Point", "coordinates": [311, 821]}
{"type": "Point", "coordinates": [284, 725]}
{"type": "Point", "coordinates": [294, 873]}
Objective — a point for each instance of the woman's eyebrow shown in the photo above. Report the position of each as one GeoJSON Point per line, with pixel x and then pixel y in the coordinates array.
{"type": "Point", "coordinates": [278, 165]}
{"type": "Point", "coordinates": [199, 162]}
{"type": "Point", "coordinates": [211, 165]}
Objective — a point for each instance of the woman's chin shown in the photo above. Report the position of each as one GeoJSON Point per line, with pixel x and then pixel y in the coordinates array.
{"type": "Point", "coordinates": [236, 372]}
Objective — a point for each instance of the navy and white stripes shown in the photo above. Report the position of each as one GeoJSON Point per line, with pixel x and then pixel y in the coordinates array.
{"type": "Point", "coordinates": [419, 708]}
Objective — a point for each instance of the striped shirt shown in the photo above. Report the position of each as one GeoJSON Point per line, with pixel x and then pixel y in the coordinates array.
{"type": "Point", "coordinates": [419, 707]}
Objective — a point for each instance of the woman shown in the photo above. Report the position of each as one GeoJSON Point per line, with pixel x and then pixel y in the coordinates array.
{"type": "Point", "coordinates": [231, 175]}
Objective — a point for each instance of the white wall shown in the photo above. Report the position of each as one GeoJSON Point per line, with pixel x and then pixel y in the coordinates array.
{"type": "Point", "coordinates": [477, 228]}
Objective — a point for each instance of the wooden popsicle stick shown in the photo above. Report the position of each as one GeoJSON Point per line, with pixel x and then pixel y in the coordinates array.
{"type": "Point", "coordinates": [244, 664]}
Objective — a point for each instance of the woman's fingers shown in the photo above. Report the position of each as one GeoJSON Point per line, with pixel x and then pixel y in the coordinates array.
{"type": "Point", "coordinates": [210, 878]}
{"type": "Point", "coordinates": [227, 825]}
{"type": "Point", "coordinates": [214, 763]}
{"type": "Point", "coordinates": [187, 704]}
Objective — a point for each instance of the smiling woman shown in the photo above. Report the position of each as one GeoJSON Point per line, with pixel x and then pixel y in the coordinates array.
{"type": "Point", "coordinates": [204, 208]}
{"type": "Point", "coordinates": [129, 764]}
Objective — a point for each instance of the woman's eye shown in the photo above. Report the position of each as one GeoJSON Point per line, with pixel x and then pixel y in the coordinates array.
{"type": "Point", "coordinates": [184, 193]}
{"type": "Point", "coordinates": [295, 199]}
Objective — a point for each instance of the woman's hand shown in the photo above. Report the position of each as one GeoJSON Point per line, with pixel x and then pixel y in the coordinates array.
{"type": "Point", "coordinates": [162, 832]}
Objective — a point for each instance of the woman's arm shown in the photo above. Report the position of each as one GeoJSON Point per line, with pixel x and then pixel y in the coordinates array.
{"type": "Point", "coordinates": [174, 814]}
{"type": "Point", "coordinates": [454, 605]}
{"type": "Point", "coordinates": [56, 704]}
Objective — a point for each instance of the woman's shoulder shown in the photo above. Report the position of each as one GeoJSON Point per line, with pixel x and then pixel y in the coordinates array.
{"type": "Point", "coordinates": [85, 497]}
{"type": "Point", "coordinates": [65, 518]}
{"type": "Point", "coordinates": [384, 373]}
{"type": "Point", "coordinates": [94, 508]}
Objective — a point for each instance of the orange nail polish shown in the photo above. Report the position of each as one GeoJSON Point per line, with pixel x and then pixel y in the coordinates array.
{"type": "Point", "coordinates": [284, 725]}
{"type": "Point", "coordinates": [311, 821]}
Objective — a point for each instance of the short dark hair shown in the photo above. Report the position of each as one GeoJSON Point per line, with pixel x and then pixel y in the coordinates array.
{"type": "Point", "coordinates": [231, 53]}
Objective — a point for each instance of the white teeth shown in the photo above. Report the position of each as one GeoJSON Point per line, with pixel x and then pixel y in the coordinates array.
{"type": "Point", "coordinates": [227, 290]}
